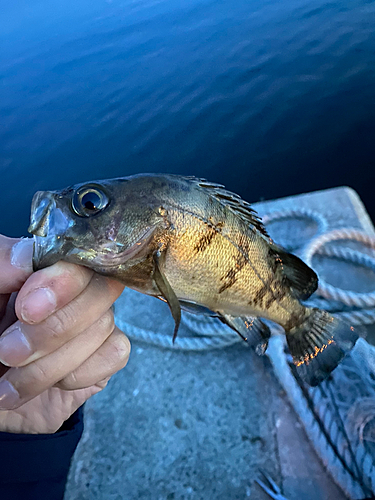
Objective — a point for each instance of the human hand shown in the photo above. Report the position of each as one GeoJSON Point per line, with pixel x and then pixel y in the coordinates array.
{"type": "Point", "coordinates": [57, 336]}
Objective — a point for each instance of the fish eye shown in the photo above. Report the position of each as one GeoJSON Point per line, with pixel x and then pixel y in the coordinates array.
{"type": "Point", "coordinates": [89, 200]}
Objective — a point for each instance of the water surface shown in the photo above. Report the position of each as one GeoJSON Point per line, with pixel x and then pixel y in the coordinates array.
{"type": "Point", "coordinates": [270, 98]}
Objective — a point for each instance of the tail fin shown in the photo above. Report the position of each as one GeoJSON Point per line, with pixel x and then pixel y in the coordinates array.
{"type": "Point", "coordinates": [319, 344]}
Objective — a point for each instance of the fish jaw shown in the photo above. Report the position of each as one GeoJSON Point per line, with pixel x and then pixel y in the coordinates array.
{"type": "Point", "coordinates": [44, 253]}
{"type": "Point", "coordinates": [48, 224]}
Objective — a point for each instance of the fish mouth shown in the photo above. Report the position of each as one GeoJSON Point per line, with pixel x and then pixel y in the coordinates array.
{"type": "Point", "coordinates": [48, 225]}
{"type": "Point", "coordinates": [44, 253]}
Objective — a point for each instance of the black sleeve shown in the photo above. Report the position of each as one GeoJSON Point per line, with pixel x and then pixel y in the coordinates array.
{"type": "Point", "coordinates": [36, 466]}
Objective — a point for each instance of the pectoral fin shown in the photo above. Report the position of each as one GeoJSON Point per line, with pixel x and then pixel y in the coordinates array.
{"type": "Point", "coordinates": [168, 293]}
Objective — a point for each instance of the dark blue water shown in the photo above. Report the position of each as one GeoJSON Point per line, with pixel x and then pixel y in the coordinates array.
{"type": "Point", "coordinates": [269, 97]}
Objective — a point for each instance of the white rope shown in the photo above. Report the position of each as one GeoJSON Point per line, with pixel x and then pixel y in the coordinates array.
{"type": "Point", "coordinates": [314, 431]}
{"type": "Point", "coordinates": [328, 291]}
{"type": "Point", "coordinates": [181, 343]}
{"type": "Point", "coordinates": [345, 456]}
{"type": "Point", "coordinates": [300, 213]}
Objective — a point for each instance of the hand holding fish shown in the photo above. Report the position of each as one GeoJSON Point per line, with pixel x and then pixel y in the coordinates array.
{"type": "Point", "coordinates": [58, 345]}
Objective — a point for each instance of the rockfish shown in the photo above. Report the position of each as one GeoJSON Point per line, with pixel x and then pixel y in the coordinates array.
{"type": "Point", "coordinates": [196, 246]}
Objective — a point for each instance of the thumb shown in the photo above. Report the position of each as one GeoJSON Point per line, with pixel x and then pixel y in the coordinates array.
{"type": "Point", "coordinates": [15, 263]}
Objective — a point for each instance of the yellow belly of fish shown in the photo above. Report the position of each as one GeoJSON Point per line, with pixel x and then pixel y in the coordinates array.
{"type": "Point", "coordinates": [218, 276]}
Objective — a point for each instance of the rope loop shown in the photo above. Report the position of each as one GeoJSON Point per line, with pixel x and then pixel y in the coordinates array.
{"type": "Point", "coordinates": [330, 292]}
{"type": "Point", "coordinates": [298, 213]}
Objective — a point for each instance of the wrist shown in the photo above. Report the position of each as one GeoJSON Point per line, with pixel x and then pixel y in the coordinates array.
{"type": "Point", "coordinates": [37, 457]}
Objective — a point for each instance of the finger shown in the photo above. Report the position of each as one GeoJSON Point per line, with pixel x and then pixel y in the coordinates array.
{"type": "Point", "coordinates": [50, 289]}
{"type": "Point", "coordinates": [61, 405]}
{"type": "Point", "coordinates": [19, 385]}
{"type": "Point", "coordinates": [22, 343]}
{"type": "Point", "coordinates": [15, 262]}
{"type": "Point", "coordinates": [111, 357]}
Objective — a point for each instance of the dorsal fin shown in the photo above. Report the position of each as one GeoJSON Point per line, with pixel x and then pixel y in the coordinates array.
{"type": "Point", "coordinates": [302, 280]}
{"type": "Point", "coordinates": [233, 201]}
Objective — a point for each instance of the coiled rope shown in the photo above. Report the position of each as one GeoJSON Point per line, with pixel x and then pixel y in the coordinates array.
{"type": "Point", "coordinates": [214, 335]}
{"type": "Point", "coordinates": [298, 213]}
{"type": "Point", "coordinates": [330, 292]}
{"type": "Point", "coordinates": [345, 454]}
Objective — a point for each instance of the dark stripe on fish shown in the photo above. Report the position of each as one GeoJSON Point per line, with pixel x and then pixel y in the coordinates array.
{"type": "Point", "coordinates": [260, 294]}
{"type": "Point", "coordinates": [273, 260]}
{"type": "Point", "coordinates": [276, 295]}
{"type": "Point", "coordinates": [242, 244]}
{"type": "Point", "coordinates": [231, 276]}
{"type": "Point", "coordinates": [205, 240]}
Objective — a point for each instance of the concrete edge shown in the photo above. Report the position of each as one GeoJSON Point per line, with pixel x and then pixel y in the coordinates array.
{"type": "Point", "coordinates": [360, 210]}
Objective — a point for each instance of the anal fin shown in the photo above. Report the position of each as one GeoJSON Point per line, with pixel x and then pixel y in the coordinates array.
{"type": "Point", "coordinates": [252, 330]}
{"type": "Point", "coordinates": [195, 308]}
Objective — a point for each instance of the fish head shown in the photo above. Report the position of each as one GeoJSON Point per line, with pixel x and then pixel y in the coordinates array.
{"type": "Point", "coordinates": [101, 225]}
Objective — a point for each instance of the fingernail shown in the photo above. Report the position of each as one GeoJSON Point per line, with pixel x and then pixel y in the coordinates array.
{"type": "Point", "coordinates": [14, 347]}
{"type": "Point", "coordinates": [9, 397]}
{"type": "Point", "coordinates": [38, 305]}
{"type": "Point", "coordinates": [22, 254]}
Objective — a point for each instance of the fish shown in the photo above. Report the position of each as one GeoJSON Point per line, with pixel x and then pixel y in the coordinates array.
{"type": "Point", "coordinates": [198, 247]}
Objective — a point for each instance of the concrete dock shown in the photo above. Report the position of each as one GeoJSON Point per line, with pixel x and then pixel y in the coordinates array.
{"type": "Point", "coordinates": [200, 425]}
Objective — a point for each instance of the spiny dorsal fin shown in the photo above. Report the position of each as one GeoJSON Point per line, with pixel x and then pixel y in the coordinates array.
{"type": "Point", "coordinates": [233, 201]}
